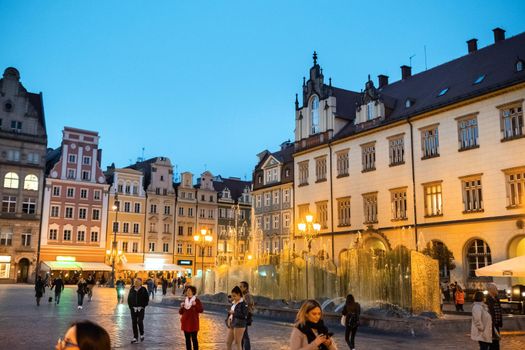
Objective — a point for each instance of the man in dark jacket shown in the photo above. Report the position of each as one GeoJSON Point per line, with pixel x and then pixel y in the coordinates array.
{"type": "Point", "coordinates": [138, 299]}
{"type": "Point", "coordinates": [58, 284]}
{"type": "Point", "coordinates": [495, 313]}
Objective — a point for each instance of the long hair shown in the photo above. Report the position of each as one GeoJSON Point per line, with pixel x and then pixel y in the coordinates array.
{"type": "Point", "coordinates": [307, 306]}
{"type": "Point", "coordinates": [91, 336]}
{"type": "Point", "coordinates": [350, 303]}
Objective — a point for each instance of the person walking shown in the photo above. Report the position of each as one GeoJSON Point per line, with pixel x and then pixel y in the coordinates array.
{"type": "Point", "coordinates": [84, 335]}
{"type": "Point", "coordinates": [151, 288]}
{"type": "Point", "coordinates": [494, 307]}
{"type": "Point", "coordinates": [39, 290]}
{"type": "Point", "coordinates": [460, 298]}
{"type": "Point", "coordinates": [90, 285]}
{"type": "Point", "coordinates": [164, 282]}
{"type": "Point", "coordinates": [236, 320]}
{"type": "Point", "coordinates": [58, 285]}
{"type": "Point", "coordinates": [481, 327]}
{"type": "Point", "coordinates": [120, 286]}
{"type": "Point", "coordinates": [248, 299]}
{"type": "Point", "coordinates": [138, 299]}
{"type": "Point", "coordinates": [189, 320]}
{"type": "Point", "coordinates": [82, 289]}
{"type": "Point", "coordinates": [310, 332]}
{"type": "Point", "coordinates": [351, 311]}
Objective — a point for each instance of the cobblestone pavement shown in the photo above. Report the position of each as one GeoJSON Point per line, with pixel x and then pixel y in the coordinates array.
{"type": "Point", "coordinates": [23, 325]}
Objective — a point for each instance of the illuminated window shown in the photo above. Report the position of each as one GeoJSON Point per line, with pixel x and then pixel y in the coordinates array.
{"type": "Point", "coordinates": [11, 180]}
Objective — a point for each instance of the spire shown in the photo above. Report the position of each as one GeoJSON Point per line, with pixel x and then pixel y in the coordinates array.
{"type": "Point", "coordinates": [296, 102]}
{"type": "Point", "coordinates": [304, 81]}
{"type": "Point", "coordinates": [330, 81]}
{"type": "Point", "coordinates": [315, 58]}
{"type": "Point", "coordinates": [368, 77]}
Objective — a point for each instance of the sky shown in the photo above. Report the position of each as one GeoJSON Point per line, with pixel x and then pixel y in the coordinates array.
{"type": "Point", "coordinates": [210, 84]}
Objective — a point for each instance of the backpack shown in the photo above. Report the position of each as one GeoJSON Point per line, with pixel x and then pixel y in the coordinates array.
{"type": "Point", "coordinates": [352, 319]}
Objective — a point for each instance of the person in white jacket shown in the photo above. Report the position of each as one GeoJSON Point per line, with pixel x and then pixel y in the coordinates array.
{"type": "Point", "coordinates": [481, 329]}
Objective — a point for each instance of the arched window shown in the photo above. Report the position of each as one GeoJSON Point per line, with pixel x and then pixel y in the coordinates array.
{"type": "Point", "coordinates": [314, 110]}
{"type": "Point", "coordinates": [11, 180]}
{"type": "Point", "coordinates": [478, 255]}
{"type": "Point", "coordinates": [31, 182]}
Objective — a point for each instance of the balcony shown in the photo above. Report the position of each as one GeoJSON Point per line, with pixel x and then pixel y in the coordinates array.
{"type": "Point", "coordinates": [312, 141]}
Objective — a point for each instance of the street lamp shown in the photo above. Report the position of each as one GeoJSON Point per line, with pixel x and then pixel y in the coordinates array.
{"type": "Point", "coordinates": [115, 208]}
{"type": "Point", "coordinates": [202, 241]}
{"type": "Point", "coordinates": [309, 230]}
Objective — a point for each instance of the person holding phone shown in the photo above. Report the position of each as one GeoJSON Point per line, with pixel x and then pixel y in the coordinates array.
{"type": "Point", "coordinates": [310, 332]}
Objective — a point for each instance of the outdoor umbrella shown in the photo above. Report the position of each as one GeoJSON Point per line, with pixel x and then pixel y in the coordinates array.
{"type": "Point", "coordinates": [514, 267]}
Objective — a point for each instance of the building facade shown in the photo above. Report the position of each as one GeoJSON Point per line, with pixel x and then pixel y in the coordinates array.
{"type": "Point", "coordinates": [273, 197]}
{"type": "Point", "coordinates": [186, 223]}
{"type": "Point", "coordinates": [432, 159]}
{"type": "Point", "coordinates": [23, 142]}
{"type": "Point", "coordinates": [75, 202]}
{"type": "Point", "coordinates": [234, 203]}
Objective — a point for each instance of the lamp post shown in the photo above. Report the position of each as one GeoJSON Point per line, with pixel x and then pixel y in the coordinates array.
{"type": "Point", "coordinates": [202, 240]}
{"type": "Point", "coordinates": [309, 230]}
{"type": "Point", "coordinates": [115, 207]}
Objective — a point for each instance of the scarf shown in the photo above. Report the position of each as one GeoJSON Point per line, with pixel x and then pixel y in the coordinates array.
{"type": "Point", "coordinates": [307, 329]}
{"type": "Point", "coordinates": [188, 301]}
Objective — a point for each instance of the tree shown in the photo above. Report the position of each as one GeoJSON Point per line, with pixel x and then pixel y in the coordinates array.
{"type": "Point", "coordinates": [437, 250]}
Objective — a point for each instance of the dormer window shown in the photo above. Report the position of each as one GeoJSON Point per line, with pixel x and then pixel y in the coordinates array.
{"type": "Point", "coordinates": [370, 110]}
{"type": "Point", "coordinates": [314, 112]}
{"type": "Point", "coordinates": [409, 103]}
{"type": "Point", "coordinates": [442, 92]}
{"type": "Point", "coordinates": [479, 79]}
{"type": "Point", "coordinates": [519, 66]}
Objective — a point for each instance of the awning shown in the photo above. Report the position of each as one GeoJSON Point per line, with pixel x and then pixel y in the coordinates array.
{"type": "Point", "coordinates": [153, 267]}
{"type": "Point", "coordinates": [76, 265]}
{"type": "Point", "coordinates": [514, 267]}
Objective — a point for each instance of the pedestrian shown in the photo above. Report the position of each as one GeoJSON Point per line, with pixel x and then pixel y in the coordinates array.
{"type": "Point", "coordinates": [155, 285]}
{"type": "Point", "coordinates": [310, 332]}
{"type": "Point", "coordinates": [442, 299]}
{"type": "Point", "coordinates": [39, 290]}
{"type": "Point", "coordinates": [151, 288]}
{"type": "Point", "coordinates": [90, 285]}
{"type": "Point", "coordinates": [164, 285]}
{"type": "Point", "coordinates": [189, 320]}
{"type": "Point", "coordinates": [82, 290]}
{"type": "Point", "coordinates": [138, 299]}
{"type": "Point", "coordinates": [494, 306]}
{"type": "Point", "coordinates": [58, 284]}
{"type": "Point", "coordinates": [351, 311]}
{"type": "Point", "coordinates": [248, 299]}
{"type": "Point", "coordinates": [85, 335]}
{"type": "Point", "coordinates": [460, 298]}
{"type": "Point", "coordinates": [453, 289]}
{"type": "Point", "coordinates": [236, 320]}
{"type": "Point", "coordinates": [447, 293]}
{"type": "Point", "coordinates": [481, 327]}
{"type": "Point", "coordinates": [120, 286]}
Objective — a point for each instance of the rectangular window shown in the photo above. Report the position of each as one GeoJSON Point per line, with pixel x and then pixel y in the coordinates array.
{"type": "Point", "coordinates": [96, 195]}
{"type": "Point", "coordinates": [272, 175]}
{"type": "Point", "coordinates": [167, 210]}
{"type": "Point", "coordinates": [266, 222]}
{"type": "Point", "coordinates": [398, 202]}
{"type": "Point", "coordinates": [189, 249]}
{"type": "Point", "coordinates": [72, 158]}
{"type": "Point", "coordinates": [81, 236]}
{"type": "Point", "coordinates": [433, 199]}
{"type": "Point", "coordinates": [115, 226]}
{"type": "Point", "coordinates": [179, 248]}
{"type": "Point", "coordinates": [472, 196]}
{"type": "Point", "coordinates": [55, 211]}
{"type": "Point", "coordinates": [71, 174]}
{"type": "Point", "coordinates": [267, 199]}
{"type": "Point", "coordinates": [82, 213]}
{"type": "Point", "coordinates": [16, 126]}
{"type": "Point", "coordinates": [86, 175]}
{"type": "Point", "coordinates": [167, 228]}
{"type": "Point", "coordinates": [304, 209]}
{"type": "Point", "coordinates": [320, 169]}
{"type": "Point", "coordinates": [286, 220]}
{"type": "Point", "coordinates": [511, 121]}
{"type": "Point", "coordinates": [258, 201]}
{"type": "Point", "coordinates": [13, 155]}
{"type": "Point", "coordinates": [6, 238]}
{"type": "Point", "coordinates": [303, 173]}
{"type": "Point", "coordinates": [127, 207]}
{"type": "Point", "coordinates": [342, 163]}
{"type": "Point", "coordinates": [86, 160]}
{"type": "Point", "coordinates": [96, 214]}
{"type": "Point", "coordinates": [125, 247]}
{"type": "Point", "coordinates": [153, 208]}
{"type": "Point", "coordinates": [190, 212]}
{"type": "Point", "coordinates": [70, 192]}
{"type": "Point", "coordinates": [181, 230]}
{"type": "Point", "coordinates": [137, 207]}
{"type": "Point", "coordinates": [125, 227]}
{"type": "Point", "coordinates": [275, 221]}
{"type": "Point", "coordinates": [136, 228]}
{"type": "Point", "coordinates": [67, 235]}
{"type": "Point", "coordinates": [430, 142]}
{"type": "Point", "coordinates": [370, 207]}
{"type": "Point", "coordinates": [53, 234]}
{"type": "Point", "coordinates": [33, 158]}
{"type": "Point", "coordinates": [94, 236]}
{"type": "Point", "coordinates": [322, 213]}
{"type": "Point", "coordinates": [69, 213]}
{"type": "Point", "coordinates": [151, 246]}
{"type": "Point", "coordinates": [135, 247]}
{"type": "Point", "coordinates": [83, 193]}
{"type": "Point", "coordinates": [396, 150]}
{"type": "Point", "coordinates": [515, 184]}
{"type": "Point", "coordinates": [8, 204]}
{"type": "Point", "coordinates": [181, 211]}
{"type": "Point", "coordinates": [210, 213]}
{"type": "Point", "coordinates": [275, 197]}
{"type": "Point", "coordinates": [5, 268]}
{"type": "Point", "coordinates": [202, 213]}
{"type": "Point", "coordinates": [56, 191]}
{"type": "Point", "coordinates": [152, 227]}
{"type": "Point", "coordinates": [29, 206]}
{"type": "Point", "coordinates": [26, 239]}
{"type": "Point", "coordinates": [368, 156]}
{"type": "Point", "coordinates": [343, 211]}
{"type": "Point", "coordinates": [468, 132]}
{"type": "Point", "coordinates": [286, 196]}
{"type": "Point", "coordinates": [209, 251]}
{"type": "Point", "coordinates": [165, 247]}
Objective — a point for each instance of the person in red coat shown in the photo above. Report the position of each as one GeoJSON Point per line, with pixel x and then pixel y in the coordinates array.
{"type": "Point", "coordinates": [189, 321]}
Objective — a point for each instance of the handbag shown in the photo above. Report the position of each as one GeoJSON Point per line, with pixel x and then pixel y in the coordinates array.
{"type": "Point", "coordinates": [343, 320]}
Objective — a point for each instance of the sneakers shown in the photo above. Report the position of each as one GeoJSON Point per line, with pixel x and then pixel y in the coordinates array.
{"type": "Point", "coordinates": [134, 341]}
{"type": "Point", "coordinates": [141, 338]}
{"type": "Point", "coordinates": [80, 307]}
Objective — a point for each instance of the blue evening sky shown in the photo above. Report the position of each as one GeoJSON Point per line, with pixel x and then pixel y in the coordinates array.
{"type": "Point", "coordinates": [212, 83]}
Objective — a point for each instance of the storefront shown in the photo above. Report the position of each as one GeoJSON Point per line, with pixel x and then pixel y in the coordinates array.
{"type": "Point", "coordinates": [5, 267]}
{"type": "Point", "coordinates": [71, 270]}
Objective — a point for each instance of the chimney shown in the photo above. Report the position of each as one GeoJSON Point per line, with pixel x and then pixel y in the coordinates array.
{"type": "Point", "coordinates": [383, 80]}
{"type": "Point", "coordinates": [472, 45]}
{"type": "Point", "coordinates": [499, 34]}
{"type": "Point", "coordinates": [406, 72]}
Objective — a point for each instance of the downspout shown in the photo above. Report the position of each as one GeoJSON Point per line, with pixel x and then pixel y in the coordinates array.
{"type": "Point", "coordinates": [37, 267]}
{"type": "Point", "coordinates": [413, 180]}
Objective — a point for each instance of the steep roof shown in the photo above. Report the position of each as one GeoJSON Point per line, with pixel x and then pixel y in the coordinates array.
{"type": "Point", "coordinates": [236, 186]}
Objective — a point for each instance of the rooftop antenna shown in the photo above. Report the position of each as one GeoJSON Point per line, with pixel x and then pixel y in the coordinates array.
{"type": "Point", "coordinates": [410, 59]}
{"type": "Point", "coordinates": [425, 48]}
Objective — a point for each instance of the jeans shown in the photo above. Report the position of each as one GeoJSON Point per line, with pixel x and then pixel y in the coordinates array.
{"type": "Point", "coordinates": [191, 337]}
{"type": "Point", "coordinates": [137, 322]}
{"type": "Point", "coordinates": [246, 340]}
{"type": "Point", "coordinates": [494, 345]}
{"type": "Point", "coordinates": [80, 298]}
{"type": "Point", "coordinates": [484, 346]}
{"type": "Point", "coordinates": [151, 293]}
{"type": "Point", "coordinates": [57, 297]}
{"type": "Point", "coordinates": [350, 336]}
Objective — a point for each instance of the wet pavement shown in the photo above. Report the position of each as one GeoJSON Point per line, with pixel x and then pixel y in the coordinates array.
{"type": "Point", "coordinates": [23, 325]}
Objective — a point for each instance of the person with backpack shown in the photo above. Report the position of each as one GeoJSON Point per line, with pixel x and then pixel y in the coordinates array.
{"type": "Point", "coordinates": [351, 313]}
